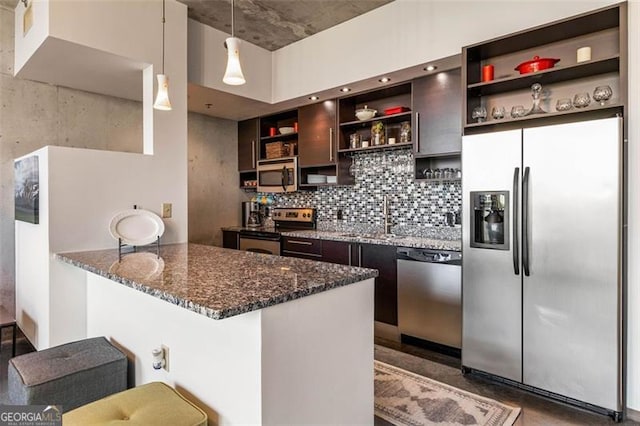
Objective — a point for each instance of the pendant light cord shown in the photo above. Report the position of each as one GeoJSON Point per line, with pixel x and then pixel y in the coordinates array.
{"type": "Point", "coordinates": [232, 18]}
{"type": "Point", "coordinates": [163, 21]}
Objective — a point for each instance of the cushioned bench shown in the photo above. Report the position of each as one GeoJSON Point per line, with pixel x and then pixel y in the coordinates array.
{"type": "Point", "coordinates": [69, 375]}
{"type": "Point", "coordinates": [152, 404]}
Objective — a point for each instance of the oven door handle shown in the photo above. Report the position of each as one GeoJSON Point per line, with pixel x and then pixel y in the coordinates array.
{"type": "Point", "coordinates": [258, 237]}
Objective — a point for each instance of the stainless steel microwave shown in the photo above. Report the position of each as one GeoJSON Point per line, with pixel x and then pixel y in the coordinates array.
{"type": "Point", "coordinates": [278, 175]}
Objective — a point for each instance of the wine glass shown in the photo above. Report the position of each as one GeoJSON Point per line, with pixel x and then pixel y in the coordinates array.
{"type": "Point", "coordinates": [602, 94]}
{"type": "Point", "coordinates": [581, 100]}
{"type": "Point", "coordinates": [498, 112]}
{"type": "Point", "coordinates": [564, 104]}
{"type": "Point", "coordinates": [517, 111]}
{"type": "Point", "coordinates": [479, 113]}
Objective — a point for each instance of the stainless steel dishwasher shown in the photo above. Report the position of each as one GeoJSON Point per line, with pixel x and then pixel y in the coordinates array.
{"type": "Point", "coordinates": [430, 296]}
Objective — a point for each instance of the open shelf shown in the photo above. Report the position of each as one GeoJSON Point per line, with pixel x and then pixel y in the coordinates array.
{"type": "Point", "coordinates": [604, 31]}
{"type": "Point", "coordinates": [606, 110]}
{"type": "Point", "coordinates": [279, 137]}
{"type": "Point", "coordinates": [548, 76]}
{"type": "Point", "coordinates": [393, 118]}
{"type": "Point", "coordinates": [377, 147]}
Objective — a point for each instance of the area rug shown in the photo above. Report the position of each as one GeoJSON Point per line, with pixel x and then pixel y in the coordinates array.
{"type": "Point", "coordinates": [407, 399]}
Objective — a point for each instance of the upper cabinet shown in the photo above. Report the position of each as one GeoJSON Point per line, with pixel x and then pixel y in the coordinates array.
{"type": "Point", "coordinates": [317, 123]}
{"type": "Point", "coordinates": [248, 140]}
{"type": "Point", "coordinates": [247, 145]}
{"type": "Point", "coordinates": [437, 107]}
{"type": "Point", "coordinates": [574, 69]}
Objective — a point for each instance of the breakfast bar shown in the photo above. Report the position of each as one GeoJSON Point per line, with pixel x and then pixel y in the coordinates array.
{"type": "Point", "coordinates": [251, 338]}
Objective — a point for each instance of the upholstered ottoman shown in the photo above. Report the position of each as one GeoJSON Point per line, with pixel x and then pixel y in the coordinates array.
{"type": "Point", "coordinates": [152, 404]}
{"type": "Point", "coordinates": [69, 375]}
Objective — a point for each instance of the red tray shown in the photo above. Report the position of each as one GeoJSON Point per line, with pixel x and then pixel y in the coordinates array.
{"type": "Point", "coordinates": [395, 110]}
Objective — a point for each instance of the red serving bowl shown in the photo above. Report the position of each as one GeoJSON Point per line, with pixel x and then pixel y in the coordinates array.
{"type": "Point", "coordinates": [537, 64]}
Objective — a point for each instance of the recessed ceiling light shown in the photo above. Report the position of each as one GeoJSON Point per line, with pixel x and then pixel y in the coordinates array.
{"type": "Point", "coordinates": [430, 68]}
{"type": "Point", "coordinates": [314, 98]}
{"type": "Point", "coordinates": [345, 89]}
{"type": "Point", "coordinates": [384, 80]}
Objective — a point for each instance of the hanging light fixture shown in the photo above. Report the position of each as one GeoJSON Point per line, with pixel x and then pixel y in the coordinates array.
{"type": "Point", "coordinates": [162, 98]}
{"type": "Point", "coordinates": [233, 75]}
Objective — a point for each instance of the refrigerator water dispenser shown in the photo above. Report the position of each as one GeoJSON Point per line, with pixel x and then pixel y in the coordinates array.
{"type": "Point", "coordinates": [490, 219]}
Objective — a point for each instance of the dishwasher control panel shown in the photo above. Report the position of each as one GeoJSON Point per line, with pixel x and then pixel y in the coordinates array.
{"type": "Point", "coordinates": [429, 255]}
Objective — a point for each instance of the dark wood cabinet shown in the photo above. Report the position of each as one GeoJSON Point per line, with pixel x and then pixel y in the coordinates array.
{"type": "Point", "coordinates": [247, 144]}
{"type": "Point", "coordinates": [374, 256]}
{"type": "Point", "coordinates": [305, 248]}
{"type": "Point", "coordinates": [316, 134]}
{"type": "Point", "coordinates": [382, 258]}
{"type": "Point", "coordinates": [437, 102]}
{"type": "Point", "coordinates": [336, 252]}
{"type": "Point", "coordinates": [230, 239]}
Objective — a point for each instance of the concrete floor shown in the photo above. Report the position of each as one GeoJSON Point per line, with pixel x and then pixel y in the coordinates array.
{"type": "Point", "coordinates": [536, 410]}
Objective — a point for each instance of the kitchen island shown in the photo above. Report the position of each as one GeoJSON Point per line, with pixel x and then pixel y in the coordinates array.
{"type": "Point", "coordinates": [235, 347]}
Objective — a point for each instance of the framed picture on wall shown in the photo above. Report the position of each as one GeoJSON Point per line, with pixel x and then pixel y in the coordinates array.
{"type": "Point", "coordinates": [27, 189]}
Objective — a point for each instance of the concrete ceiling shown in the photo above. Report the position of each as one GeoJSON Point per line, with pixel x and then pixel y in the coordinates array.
{"type": "Point", "coordinates": [272, 24]}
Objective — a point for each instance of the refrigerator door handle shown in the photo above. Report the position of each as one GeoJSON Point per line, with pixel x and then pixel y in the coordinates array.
{"type": "Point", "coordinates": [516, 245]}
{"type": "Point", "coordinates": [525, 222]}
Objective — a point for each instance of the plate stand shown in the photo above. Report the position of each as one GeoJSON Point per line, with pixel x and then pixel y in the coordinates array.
{"type": "Point", "coordinates": [135, 248]}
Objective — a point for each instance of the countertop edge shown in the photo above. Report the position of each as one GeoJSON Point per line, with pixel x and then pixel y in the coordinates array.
{"type": "Point", "coordinates": [396, 241]}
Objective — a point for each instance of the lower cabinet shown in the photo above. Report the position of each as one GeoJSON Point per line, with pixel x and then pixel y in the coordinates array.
{"type": "Point", "coordinates": [230, 239]}
{"type": "Point", "coordinates": [305, 248]}
{"type": "Point", "coordinates": [374, 256]}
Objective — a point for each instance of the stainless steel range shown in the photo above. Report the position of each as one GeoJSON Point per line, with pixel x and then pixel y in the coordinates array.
{"type": "Point", "coordinates": [267, 240]}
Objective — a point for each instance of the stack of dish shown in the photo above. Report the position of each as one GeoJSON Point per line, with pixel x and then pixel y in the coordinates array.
{"type": "Point", "coordinates": [316, 178]}
{"type": "Point", "coordinates": [332, 179]}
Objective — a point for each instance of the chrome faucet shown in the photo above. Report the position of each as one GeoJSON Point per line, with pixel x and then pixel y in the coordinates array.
{"type": "Point", "coordinates": [385, 213]}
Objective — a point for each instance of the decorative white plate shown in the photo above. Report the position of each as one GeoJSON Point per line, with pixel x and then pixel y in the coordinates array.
{"type": "Point", "coordinates": [136, 227]}
{"type": "Point", "coordinates": [138, 266]}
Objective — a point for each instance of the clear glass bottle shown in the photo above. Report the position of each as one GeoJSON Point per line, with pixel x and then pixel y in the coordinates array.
{"type": "Point", "coordinates": [405, 132]}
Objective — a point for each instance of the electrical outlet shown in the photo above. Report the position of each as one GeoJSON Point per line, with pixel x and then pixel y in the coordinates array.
{"type": "Point", "coordinates": [166, 210]}
{"type": "Point", "coordinates": [165, 350]}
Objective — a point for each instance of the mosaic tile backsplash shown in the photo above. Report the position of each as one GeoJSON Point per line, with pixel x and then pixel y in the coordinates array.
{"type": "Point", "coordinates": [412, 204]}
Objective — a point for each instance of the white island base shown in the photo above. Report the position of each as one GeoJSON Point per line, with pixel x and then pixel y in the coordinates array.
{"type": "Point", "coordinates": [306, 361]}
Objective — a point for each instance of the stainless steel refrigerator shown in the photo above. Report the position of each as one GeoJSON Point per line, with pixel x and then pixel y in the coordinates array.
{"type": "Point", "coordinates": [542, 259]}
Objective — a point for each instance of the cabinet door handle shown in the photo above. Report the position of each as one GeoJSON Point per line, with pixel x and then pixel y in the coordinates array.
{"type": "Point", "coordinates": [330, 143]}
{"type": "Point", "coordinates": [360, 256]}
{"type": "Point", "coordinates": [253, 154]}
{"type": "Point", "coordinates": [304, 243]}
{"type": "Point", "coordinates": [416, 135]}
{"type": "Point", "coordinates": [349, 254]}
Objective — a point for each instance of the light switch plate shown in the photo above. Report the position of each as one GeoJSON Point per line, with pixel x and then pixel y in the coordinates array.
{"type": "Point", "coordinates": [166, 210]}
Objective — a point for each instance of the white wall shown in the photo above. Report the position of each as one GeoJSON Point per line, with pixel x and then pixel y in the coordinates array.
{"type": "Point", "coordinates": [208, 60]}
{"type": "Point", "coordinates": [287, 364]}
{"type": "Point", "coordinates": [27, 44]}
{"type": "Point", "coordinates": [32, 266]}
{"type": "Point", "coordinates": [87, 187]}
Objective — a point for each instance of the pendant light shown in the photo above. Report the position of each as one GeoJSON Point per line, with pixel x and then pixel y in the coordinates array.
{"type": "Point", "coordinates": [162, 99]}
{"type": "Point", "coordinates": [233, 75]}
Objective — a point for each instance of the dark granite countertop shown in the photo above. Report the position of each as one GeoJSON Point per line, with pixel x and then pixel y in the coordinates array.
{"type": "Point", "coordinates": [216, 282]}
{"type": "Point", "coordinates": [383, 239]}
{"type": "Point", "coordinates": [436, 238]}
